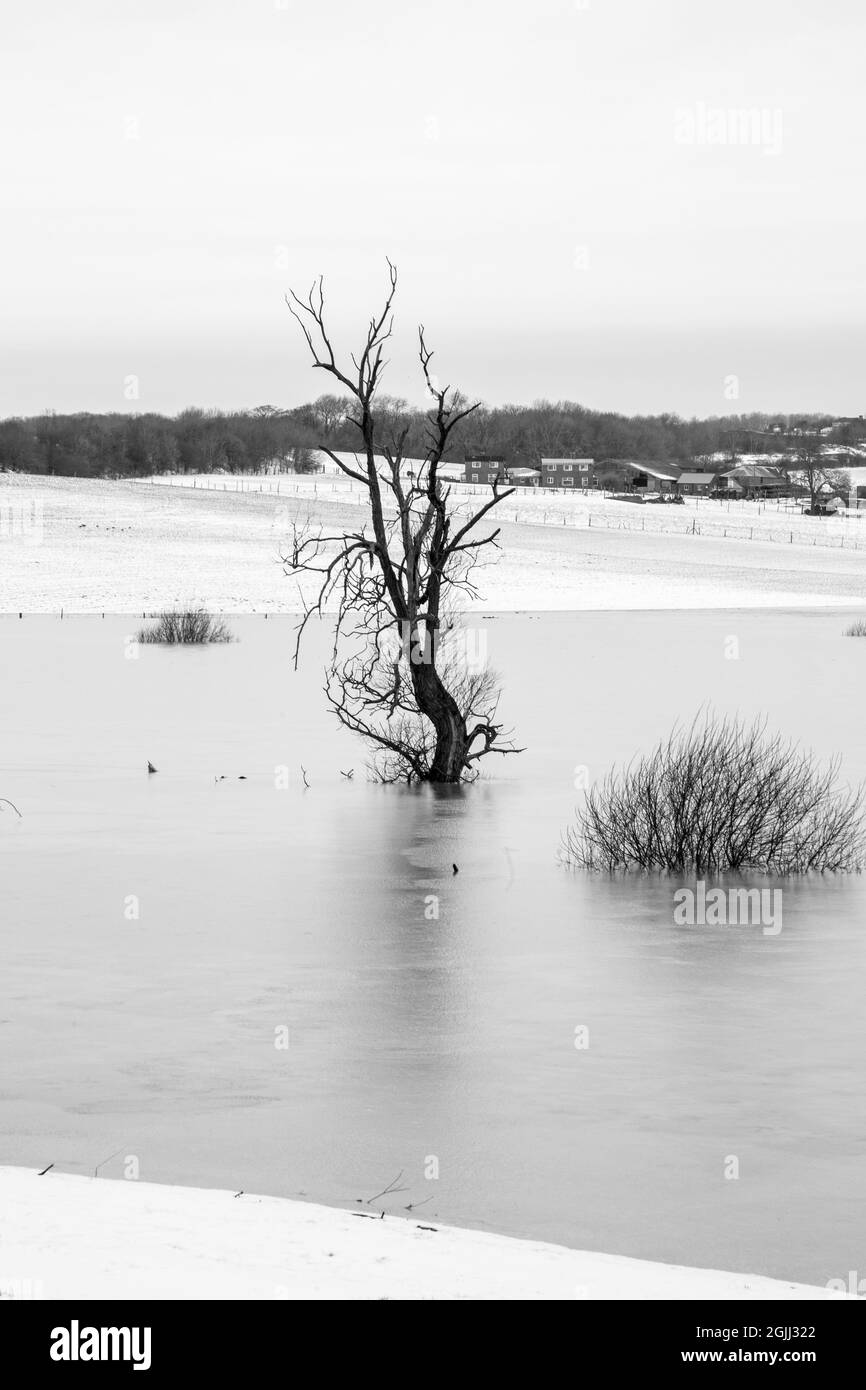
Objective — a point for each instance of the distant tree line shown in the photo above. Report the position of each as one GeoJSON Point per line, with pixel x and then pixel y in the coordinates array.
{"type": "Point", "coordinates": [195, 441]}
{"type": "Point", "coordinates": [207, 441]}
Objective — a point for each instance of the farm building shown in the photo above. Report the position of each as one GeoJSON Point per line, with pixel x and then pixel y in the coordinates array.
{"type": "Point", "coordinates": [655, 477]}
{"type": "Point", "coordinates": [496, 470]}
{"type": "Point", "coordinates": [636, 475]}
{"type": "Point", "coordinates": [616, 475]}
{"type": "Point", "coordinates": [567, 473]}
{"type": "Point", "coordinates": [758, 480]}
{"type": "Point", "coordinates": [523, 477]}
{"type": "Point", "coordinates": [856, 481]}
{"type": "Point", "coordinates": [698, 484]}
{"type": "Point", "coordinates": [484, 469]}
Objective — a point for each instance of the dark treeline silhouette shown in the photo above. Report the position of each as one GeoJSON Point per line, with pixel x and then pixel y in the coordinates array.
{"type": "Point", "coordinates": [195, 441]}
{"type": "Point", "coordinates": [206, 441]}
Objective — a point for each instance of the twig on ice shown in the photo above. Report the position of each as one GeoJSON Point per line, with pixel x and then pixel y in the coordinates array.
{"type": "Point", "coordinates": [389, 1190]}
{"type": "Point", "coordinates": [104, 1161]}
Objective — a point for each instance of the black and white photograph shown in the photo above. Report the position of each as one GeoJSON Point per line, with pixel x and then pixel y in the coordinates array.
{"type": "Point", "coordinates": [432, 655]}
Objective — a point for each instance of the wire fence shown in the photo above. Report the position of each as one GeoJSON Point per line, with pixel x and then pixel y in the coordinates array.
{"type": "Point", "coordinates": [553, 509]}
{"type": "Point", "coordinates": [37, 615]}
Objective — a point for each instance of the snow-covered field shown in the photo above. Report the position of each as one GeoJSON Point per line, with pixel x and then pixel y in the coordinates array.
{"type": "Point", "coordinates": [63, 1236]}
{"type": "Point", "coordinates": [781, 521]}
{"type": "Point", "coordinates": [125, 547]}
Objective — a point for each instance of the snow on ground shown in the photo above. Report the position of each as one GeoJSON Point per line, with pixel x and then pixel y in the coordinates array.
{"type": "Point", "coordinates": [780, 456]}
{"type": "Point", "coordinates": [781, 521]}
{"type": "Point", "coordinates": [64, 1236]}
{"type": "Point", "coordinates": [93, 545]}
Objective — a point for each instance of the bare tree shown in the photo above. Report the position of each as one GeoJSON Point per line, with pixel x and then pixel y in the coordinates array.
{"type": "Point", "coordinates": [330, 411]}
{"type": "Point", "coordinates": [394, 581]}
{"type": "Point", "coordinates": [809, 461]}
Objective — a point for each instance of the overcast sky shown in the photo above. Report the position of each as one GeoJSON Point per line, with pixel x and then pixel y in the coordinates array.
{"type": "Point", "coordinates": [574, 205]}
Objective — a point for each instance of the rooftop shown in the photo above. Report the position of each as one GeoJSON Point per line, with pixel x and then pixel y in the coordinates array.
{"type": "Point", "coordinates": [756, 470]}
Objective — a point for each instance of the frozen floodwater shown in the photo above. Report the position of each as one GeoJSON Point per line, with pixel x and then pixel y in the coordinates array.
{"type": "Point", "coordinates": [163, 936]}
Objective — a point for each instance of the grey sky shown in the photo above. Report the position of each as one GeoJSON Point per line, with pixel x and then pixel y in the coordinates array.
{"type": "Point", "coordinates": [574, 203]}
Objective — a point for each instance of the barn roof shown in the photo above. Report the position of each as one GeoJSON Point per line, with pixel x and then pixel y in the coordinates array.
{"type": "Point", "coordinates": [655, 472]}
{"type": "Point", "coordinates": [756, 470]}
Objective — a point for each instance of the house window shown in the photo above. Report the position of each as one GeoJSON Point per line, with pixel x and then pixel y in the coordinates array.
{"type": "Point", "coordinates": [566, 468]}
{"type": "Point", "coordinates": [568, 482]}
{"type": "Point", "coordinates": [548, 482]}
{"type": "Point", "coordinates": [584, 467]}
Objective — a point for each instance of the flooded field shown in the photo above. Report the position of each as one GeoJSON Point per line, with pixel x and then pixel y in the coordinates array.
{"type": "Point", "coordinates": [232, 979]}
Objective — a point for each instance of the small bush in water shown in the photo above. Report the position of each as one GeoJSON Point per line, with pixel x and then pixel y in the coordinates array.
{"type": "Point", "coordinates": [194, 626]}
{"type": "Point", "coordinates": [857, 629]}
{"type": "Point", "coordinates": [720, 795]}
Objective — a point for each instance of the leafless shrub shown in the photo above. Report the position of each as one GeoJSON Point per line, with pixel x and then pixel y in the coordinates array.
{"type": "Point", "coordinates": [721, 795]}
{"type": "Point", "coordinates": [195, 625]}
{"type": "Point", "coordinates": [857, 629]}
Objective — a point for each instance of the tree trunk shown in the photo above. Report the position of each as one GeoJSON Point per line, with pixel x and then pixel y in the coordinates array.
{"type": "Point", "coordinates": [449, 761]}
{"type": "Point", "coordinates": [452, 740]}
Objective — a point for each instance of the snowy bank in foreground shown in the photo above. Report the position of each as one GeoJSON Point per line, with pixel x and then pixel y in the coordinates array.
{"type": "Point", "coordinates": [65, 1236]}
